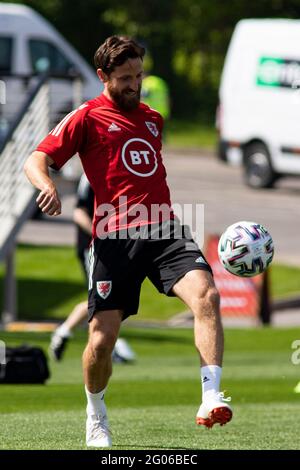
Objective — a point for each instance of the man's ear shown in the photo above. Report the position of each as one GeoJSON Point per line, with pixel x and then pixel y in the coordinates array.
{"type": "Point", "coordinates": [102, 76]}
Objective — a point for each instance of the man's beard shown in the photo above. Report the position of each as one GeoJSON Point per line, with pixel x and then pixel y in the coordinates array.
{"type": "Point", "coordinates": [124, 99]}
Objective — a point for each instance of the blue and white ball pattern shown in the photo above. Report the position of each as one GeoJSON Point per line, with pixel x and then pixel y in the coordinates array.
{"type": "Point", "coordinates": [246, 249]}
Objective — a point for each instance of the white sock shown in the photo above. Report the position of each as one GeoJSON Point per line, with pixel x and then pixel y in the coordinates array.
{"type": "Point", "coordinates": [95, 403]}
{"type": "Point", "coordinates": [210, 379]}
{"type": "Point", "coordinates": [63, 331]}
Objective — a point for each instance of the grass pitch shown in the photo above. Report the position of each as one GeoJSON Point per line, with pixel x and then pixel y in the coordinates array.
{"type": "Point", "coordinates": [55, 274]}
{"type": "Point", "coordinates": [152, 404]}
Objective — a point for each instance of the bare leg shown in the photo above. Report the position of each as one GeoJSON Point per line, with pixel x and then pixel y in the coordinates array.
{"type": "Point", "coordinates": [63, 332]}
{"type": "Point", "coordinates": [198, 291]}
{"type": "Point", "coordinates": [78, 314]}
{"type": "Point", "coordinates": [97, 369]}
{"type": "Point", "coordinates": [97, 362]}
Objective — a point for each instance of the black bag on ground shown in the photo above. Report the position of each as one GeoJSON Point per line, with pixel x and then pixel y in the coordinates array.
{"type": "Point", "coordinates": [24, 365]}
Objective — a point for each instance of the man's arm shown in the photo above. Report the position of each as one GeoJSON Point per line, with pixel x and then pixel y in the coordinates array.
{"type": "Point", "coordinates": [37, 171]}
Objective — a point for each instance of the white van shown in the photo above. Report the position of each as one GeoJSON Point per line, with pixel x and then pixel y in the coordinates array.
{"type": "Point", "coordinates": [29, 46]}
{"type": "Point", "coordinates": [259, 112]}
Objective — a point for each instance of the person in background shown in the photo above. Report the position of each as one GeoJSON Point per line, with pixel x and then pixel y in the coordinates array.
{"type": "Point", "coordinates": [155, 93]}
{"type": "Point", "coordinates": [83, 218]}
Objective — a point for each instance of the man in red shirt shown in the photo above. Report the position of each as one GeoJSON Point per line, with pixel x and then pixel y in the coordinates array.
{"type": "Point", "coordinates": [135, 233]}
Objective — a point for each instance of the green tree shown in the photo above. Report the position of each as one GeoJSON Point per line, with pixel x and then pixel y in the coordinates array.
{"type": "Point", "coordinates": [186, 39]}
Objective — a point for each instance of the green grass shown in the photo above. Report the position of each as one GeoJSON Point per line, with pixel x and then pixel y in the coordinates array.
{"type": "Point", "coordinates": [189, 134]}
{"type": "Point", "coordinates": [50, 284]}
{"type": "Point", "coordinates": [152, 404]}
{"type": "Point", "coordinates": [285, 280]}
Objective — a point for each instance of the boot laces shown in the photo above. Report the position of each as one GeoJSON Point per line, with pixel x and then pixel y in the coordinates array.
{"type": "Point", "coordinates": [221, 395]}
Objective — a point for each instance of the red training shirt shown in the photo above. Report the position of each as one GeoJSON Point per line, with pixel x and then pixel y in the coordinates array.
{"type": "Point", "coordinates": [121, 156]}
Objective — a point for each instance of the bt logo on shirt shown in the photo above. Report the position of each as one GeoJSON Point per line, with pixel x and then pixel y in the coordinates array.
{"type": "Point", "coordinates": [139, 157]}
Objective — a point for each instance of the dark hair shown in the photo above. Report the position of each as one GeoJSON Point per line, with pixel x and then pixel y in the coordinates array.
{"type": "Point", "coordinates": [115, 51]}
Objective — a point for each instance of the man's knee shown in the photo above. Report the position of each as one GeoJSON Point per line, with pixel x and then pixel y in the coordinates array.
{"type": "Point", "coordinates": [206, 302]}
{"type": "Point", "coordinates": [104, 330]}
{"type": "Point", "coordinates": [102, 343]}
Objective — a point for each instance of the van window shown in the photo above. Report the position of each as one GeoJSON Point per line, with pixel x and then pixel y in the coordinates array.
{"type": "Point", "coordinates": [5, 54]}
{"type": "Point", "coordinates": [45, 56]}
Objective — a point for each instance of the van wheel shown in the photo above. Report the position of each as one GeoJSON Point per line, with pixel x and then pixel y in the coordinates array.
{"type": "Point", "coordinates": [258, 171]}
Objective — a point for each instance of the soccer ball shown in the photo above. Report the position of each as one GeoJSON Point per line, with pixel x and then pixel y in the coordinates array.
{"type": "Point", "coordinates": [246, 249]}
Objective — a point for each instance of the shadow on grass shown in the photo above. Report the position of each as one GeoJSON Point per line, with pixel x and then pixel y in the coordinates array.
{"type": "Point", "coordinates": [38, 297]}
{"type": "Point", "coordinates": [157, 335]}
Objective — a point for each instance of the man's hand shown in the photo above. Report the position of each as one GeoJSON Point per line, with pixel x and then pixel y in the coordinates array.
{"type": "Point", "coordinates": [49, 202]}
{"type": "Point", "coordinates": [37, 171]}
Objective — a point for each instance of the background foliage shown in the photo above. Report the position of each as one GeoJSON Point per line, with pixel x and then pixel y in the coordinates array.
{"type": "Point", "coordinates": [186, 39]}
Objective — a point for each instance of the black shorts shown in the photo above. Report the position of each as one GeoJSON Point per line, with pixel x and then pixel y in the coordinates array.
{"type": "Point", "coordinates": [83, 256]}
{"type": "Point", "coordinates": [119, 266]}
